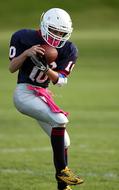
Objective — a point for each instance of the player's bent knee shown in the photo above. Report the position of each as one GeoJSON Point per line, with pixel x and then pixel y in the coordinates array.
{"type": "Point", "coordinates": [59, 119]}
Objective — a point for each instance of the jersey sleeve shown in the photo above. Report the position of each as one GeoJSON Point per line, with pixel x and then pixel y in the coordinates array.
{"type": "Point", "coordinates": [67, 60]}
{"type": "Point", "coordinates": [15, 46]}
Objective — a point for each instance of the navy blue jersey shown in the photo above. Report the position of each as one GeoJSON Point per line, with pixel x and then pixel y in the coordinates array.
{"type": "Point", "coordinates": [29, 73]}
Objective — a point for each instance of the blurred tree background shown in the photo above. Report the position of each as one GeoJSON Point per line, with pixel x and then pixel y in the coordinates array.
{"type": "Point", "coordinates": [85, 13]}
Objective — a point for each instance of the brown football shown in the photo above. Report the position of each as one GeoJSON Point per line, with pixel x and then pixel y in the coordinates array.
{"type": "Point", "coordinates": [50, 53]}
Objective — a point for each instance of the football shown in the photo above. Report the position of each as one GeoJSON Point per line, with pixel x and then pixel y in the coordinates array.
{"type": "Point", "coordinates": [50, 53]}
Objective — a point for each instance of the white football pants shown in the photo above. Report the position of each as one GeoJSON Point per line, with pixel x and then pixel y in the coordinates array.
{"type": "Point", "coordinates": [29, 104]}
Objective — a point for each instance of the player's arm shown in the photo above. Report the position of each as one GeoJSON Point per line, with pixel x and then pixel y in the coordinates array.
{"type": "Point", "coordinates": [59, 77]}
{"type": "Point", "coordinates": [53, 75]}
{"type": "Point", "coordinates": [42, 64]}
{"type": "Point", "coordinates": [16, 62]}
{"type": "Point", "coordinates": [44, 67]}
{"type": "Point", "coordinates": [56, 77]}
{"type": "Point", "coordinates": [66, 65]}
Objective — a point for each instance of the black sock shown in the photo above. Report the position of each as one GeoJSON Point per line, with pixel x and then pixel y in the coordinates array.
{"type": "Point", "coordinates": [66, 155]}
{"type": "Point", "coordinates": [57, 141]}
{"type": "Point", "coordinates": [61, 184]}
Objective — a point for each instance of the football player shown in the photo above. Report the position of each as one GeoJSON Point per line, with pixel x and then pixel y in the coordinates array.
{"type": "Point", "coordinates": [31, 96]}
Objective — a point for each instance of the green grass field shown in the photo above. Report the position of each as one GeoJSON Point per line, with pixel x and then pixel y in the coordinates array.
{"type": "Point", "coordinates": [91, 97]}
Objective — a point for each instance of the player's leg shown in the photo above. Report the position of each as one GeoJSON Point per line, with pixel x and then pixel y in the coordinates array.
{"type": "Point", "coordinates": [64, 176]}
{"type": "Point", "coordinates": [27, 103]}
{"type": "Point", "coordinates": [61, 185]}
{"type": "Point", "coordinates": [71, 178]}
{"type": "Point", "coordinates": [48, 129]}
{"type": "Point", "coordinates": [33, 106]}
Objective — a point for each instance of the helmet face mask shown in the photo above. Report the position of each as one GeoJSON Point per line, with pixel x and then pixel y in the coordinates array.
{"type": "Point", "coordinates": [56, 27]}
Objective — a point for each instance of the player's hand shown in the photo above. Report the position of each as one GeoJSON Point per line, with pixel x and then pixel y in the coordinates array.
{"type": "Point", "coordinates": [37, 49]}
{"type": "Point", "coordinates": [40, 63]}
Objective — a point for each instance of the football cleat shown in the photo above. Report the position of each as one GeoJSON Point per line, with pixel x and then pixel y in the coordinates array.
{"type": "Point", "coordinates": [69, 177]}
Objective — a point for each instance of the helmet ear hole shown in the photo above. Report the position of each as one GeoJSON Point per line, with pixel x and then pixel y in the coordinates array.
{"type": "Point", "coordinates": [65, 34]}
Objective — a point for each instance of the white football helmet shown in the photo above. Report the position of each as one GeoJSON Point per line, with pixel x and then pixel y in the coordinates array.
{"type": "Point", "coordinates": [54, 22]}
